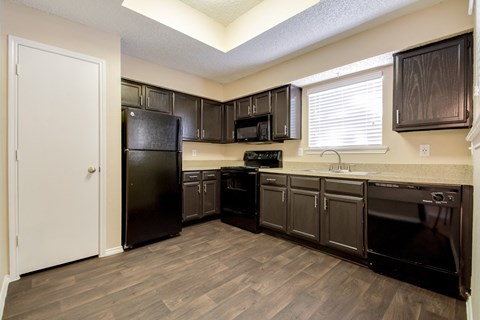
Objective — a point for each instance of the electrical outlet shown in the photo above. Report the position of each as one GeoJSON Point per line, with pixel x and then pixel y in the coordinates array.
{"type": "Point", "coordinates": [194, 152]}
{"type": "Point", "coordinates": [424, 150]}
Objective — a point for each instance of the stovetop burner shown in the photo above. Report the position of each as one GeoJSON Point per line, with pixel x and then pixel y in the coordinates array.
{"type": "Point", "coordinates": [259, 159]}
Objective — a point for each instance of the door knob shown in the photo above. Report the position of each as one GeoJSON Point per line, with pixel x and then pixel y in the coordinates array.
{"type": "Point", "coordinates": [92, 169]}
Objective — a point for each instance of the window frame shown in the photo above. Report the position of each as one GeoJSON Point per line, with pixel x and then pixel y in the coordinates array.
{"type": "Point", "coordinates": [336, 83]}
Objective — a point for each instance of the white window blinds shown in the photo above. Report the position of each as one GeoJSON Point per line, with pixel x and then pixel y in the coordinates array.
{"type": "Point", "coordinates": [346, 113]}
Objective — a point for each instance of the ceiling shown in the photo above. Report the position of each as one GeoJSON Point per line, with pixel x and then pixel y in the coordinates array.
{"type": "Point", "coordinates": [144, 38]}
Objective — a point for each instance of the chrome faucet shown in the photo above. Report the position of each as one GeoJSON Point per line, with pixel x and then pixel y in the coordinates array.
{"type": "Point", "coordinates": [340, 167]}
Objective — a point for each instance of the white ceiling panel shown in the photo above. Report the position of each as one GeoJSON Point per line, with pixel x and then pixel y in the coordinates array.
{"type": "Point", "coordinates": [149, 40]}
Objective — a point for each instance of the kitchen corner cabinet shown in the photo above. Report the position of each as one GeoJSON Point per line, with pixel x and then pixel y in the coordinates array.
{"type": "Point", "coordinates": [304, 207]}
{"type": "Point", "coordinates": [201, 118]}
{"type": "Point", "coordinates": [188, 108]}
{"type": "Point", "coordinates": [343, 216]}
{"type": "Point", "coordinates": [273, 201]}
{"type": "Point", "coordinates": [201, 194]}
{"type": "Point", "coordinates": [286, 113]}
{"type": "Point", "coordinates": [137, 95]}
{"type": "Point", "coordinates": [229, 117]}
{"type": "Point", "coordinates": [211, 119]}
{"type": "Point", "coordinates": [433, 86]}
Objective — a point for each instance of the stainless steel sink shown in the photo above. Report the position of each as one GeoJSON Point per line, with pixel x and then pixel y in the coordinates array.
{"type": "Point", "coordinates": [340, 172]}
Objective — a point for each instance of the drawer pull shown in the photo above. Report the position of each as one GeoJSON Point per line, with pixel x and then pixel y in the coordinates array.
{"type": "Point", "coordinates": [271, 179]}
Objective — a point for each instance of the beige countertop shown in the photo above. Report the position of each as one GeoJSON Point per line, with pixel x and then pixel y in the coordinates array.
{"type": "Point", "coordinates": [429, 174]}
{"type": "Point", "coordinates": [407, 173]}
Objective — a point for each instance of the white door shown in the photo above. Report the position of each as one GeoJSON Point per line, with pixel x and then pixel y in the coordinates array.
{"type": "Point", "coordinates": [58, 156]}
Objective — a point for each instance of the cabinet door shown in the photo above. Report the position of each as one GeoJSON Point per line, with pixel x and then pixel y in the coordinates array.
{"type": "Point", "coordinates": [281, 113]}
{"type": "Point", "coordinates": [229, 122]}
{"type": "Point", "coordinates": [432, 86]}
{"type": "Point", "coordinates": [211, 121]}
{"type": "Point", "coordinates": [304, 213]}
{"type": "Point", "coordinates": [211, 197]}
{"type": "Point", "coordinates": [273, 207]}
{"type": "Point", "coordinates": [244, 107]}
{"type": "Point", "coordinates": [158, 99]}
{"type": "Point", "coordinates": [188, 107]}
{"type": "Point", "coordinates": [192, 202]}
{"type": "Point", "coordinates": [342, 223]}
{"type": "Point", "coordinates": [132, 94]}
{"type": "Point", "coordinates": [286, 113]}
{"type": "Point", "coordinates": [261, 103]}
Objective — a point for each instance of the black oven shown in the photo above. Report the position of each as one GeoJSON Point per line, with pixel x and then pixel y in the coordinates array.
{"type": "Point", "coordinates": [239, 200]}
{"type": "Point", "coordinates": [414, 234]}
{"type": "Point", "coordinates": [240, 189]}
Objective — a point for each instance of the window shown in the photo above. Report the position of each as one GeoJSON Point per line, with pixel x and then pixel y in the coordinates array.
{"type": "Point", "coordinates": [346, 114]}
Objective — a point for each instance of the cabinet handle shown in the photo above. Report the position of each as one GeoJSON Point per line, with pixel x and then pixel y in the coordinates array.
{"type": "Point", "coordinates": [325, 204]}
{"type": "Point", "coordinates": [203, 133]}
{"type": "Point", "coordinates": [398, 116]}
{"type": "Point", "coordinates": [271, 179]}
{"type": "Point", "coordinates": [191, 177]}
{"type": "Point", "coordinates": [285, 130]}
{"type": "Point", "coordinates": [283, 196]}
{"type": "Point", "coordinates": [198, 133]}
{"type": "Point", "coordinates": [141, 100]}
{"type": "Point", "coordinates": [233, 134]}
{"type": "Point", "coordinates": [210, 175]}
{"type": "Point", "coordinates": [148, 102]}
{"type": "Point", "coordinates": [316, 202]}
{"type": "Point", "coordinates": [204, 188]}
{"type": "Point", "coordinates": [254, 109]}
{"type": "Point", "coordinates": [199, 191]}
{"type": "Point", "coordinates": [249, 109]}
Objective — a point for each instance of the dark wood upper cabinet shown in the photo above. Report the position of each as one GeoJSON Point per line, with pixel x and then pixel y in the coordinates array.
{"type": "Point", "coordinates": [158, 99]}
{"type": "Point", "coordinates": [188, 108]}
{"type": "Point", "coordinates": [244, 107]}
{"type": "Point", "coordinates": [433, 86]}
{"type": "Point", "coordinates": [229, 118]}
{"type": "Point", "coordinates": [261, 103]}
{"type": "Point", "coordinates": [132, 94]}
{"type": "Point", "coordinates": [211, 114]}
{"type": "Point", "coordinates": [286, 113]}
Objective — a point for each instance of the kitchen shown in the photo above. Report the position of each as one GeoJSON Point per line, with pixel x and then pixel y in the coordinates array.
{"type": "Point", "coordinates": [447, 147]}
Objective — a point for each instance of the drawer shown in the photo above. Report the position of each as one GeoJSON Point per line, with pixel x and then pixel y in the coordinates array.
{"type": "Point", "coordinates": [299, 182]}
{"type": "Point", "coordinates": [209, 175]}
{"type": "Point", "coordinates": [191, 176]}
{"type": "Point", "coordinates": [273, 179]}
{"type": "Point", "coordinates": [351, 187]}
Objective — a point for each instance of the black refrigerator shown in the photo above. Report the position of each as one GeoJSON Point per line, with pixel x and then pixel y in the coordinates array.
{"type": "Point", "coordinates": [152, 168]}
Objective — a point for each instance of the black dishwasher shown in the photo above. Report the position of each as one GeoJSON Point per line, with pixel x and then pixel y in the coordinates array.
{"type": "Point", "coordinates": [414, 234]}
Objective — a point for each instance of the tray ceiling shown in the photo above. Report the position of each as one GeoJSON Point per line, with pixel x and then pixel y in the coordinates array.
{"type": "Point", "coordinates": [144, 38]}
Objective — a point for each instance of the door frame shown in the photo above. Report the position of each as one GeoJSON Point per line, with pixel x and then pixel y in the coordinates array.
{"type": "Point", "coordinates": [13, 44]}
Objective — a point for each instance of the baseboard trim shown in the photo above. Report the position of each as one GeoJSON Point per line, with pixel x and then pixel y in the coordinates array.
{"type": "Point", "coordinates": [3, 294]}
{"type": "Point", "coordinates": [112, 251]}
{"type": "Point", "coordinates": [469, 309]}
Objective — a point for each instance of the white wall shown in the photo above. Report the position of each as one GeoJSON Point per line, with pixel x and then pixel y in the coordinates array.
{"type": "Point", "coordinates": [34, 25]}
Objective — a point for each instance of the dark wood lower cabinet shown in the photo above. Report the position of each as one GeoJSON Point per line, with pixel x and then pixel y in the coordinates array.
{"type": "Point", "coordinates": [201, 194]}
{"type": "Point", "coordinates": [343, 216]}
{"type": "Point", "coordinates": [304, 210]}
{"type": "Point", "coordinates": [192, 201]}
{"type": "Point", "coordinates": [273, 207]}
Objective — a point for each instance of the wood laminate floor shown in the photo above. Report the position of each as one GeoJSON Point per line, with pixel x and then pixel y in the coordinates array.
{"type": "Point", "coordinates": [216, 271]}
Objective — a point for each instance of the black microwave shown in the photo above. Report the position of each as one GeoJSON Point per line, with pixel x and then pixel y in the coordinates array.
{"type": "Point", "coordinates": [253, 129]}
